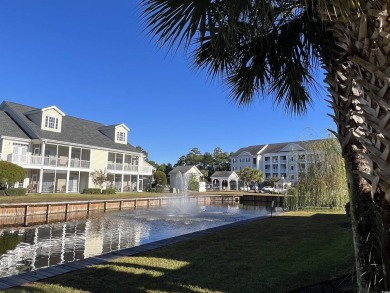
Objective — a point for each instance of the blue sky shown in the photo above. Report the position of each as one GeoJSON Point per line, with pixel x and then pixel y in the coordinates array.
{"type": "Point", "coordinates": [92, 59]}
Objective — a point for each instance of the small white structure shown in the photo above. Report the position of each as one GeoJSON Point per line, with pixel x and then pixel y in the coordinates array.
{"type": "Point", "coordinates": [189, 172]}
{"type": "Point", "coordinates": [282, 185]}
{"type": "Point", "coordinates": [223, 180]}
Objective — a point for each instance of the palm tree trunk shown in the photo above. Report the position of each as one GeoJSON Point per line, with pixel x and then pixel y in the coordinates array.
{"type": "Point", "coordinates": [358, 79]}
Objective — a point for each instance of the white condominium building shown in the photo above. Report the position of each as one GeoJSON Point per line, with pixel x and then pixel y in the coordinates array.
{"type": "Point", "coordinates": [285, 160]}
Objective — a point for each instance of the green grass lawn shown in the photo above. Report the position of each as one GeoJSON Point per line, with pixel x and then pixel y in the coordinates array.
{"type": "Point", "coordinates": [278, 254]}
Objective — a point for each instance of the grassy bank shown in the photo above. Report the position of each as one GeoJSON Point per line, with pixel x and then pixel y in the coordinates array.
{"type": "Point", "coordinates": [273, 255]}
{"type": "Point", "coordinates": [53, 197]}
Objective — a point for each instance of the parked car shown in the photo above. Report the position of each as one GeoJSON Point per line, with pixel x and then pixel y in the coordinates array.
{"type": "Point", "coordinates": [267, 189]}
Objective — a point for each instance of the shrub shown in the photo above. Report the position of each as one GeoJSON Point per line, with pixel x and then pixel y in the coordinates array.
{"type": "Point", "coordinates": [15, 191]}
{"type": "Point", "coordinates": [2, 191]}
{"type": "Point", "coordinates": [92, 191]}
{"type": "Point", "coordinates": [157, 190]}
{"type": "Point", "coordinates": [10, 173]}
{"type": "Point", "coordinates": [108, 191]}
{"type": "Point", "coordinates": [292, 191]}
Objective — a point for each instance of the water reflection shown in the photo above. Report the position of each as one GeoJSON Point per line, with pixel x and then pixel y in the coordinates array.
{"type": "Point", "coordinates": [46, 245]}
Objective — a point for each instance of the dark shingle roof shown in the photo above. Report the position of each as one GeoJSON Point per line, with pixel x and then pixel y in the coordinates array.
{"type": "Point", "coordinates": [10, 128]}
{"type": "Point", "coordinates": [273, 147]}
{"type": "Point", "coordinates": [253, 150]}
{"type": "Point", "coordinates": [277, 147]}
{"type": "Point", "coordinates": [73, 130]}
{"type": "Point", "coordinates": [182, 169]}
{"type": "Point", "coordinates": [222, 173]}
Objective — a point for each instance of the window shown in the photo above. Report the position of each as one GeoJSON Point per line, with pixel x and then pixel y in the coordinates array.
{"type": "Point", "coordinates": [254, 161]}
{"type": "Point", "coordinates": [121, 136]}
{"type": "Point", "coordinates": [51, 122]}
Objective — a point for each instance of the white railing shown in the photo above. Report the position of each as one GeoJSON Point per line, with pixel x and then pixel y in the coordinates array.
{"type": "Point", "coordinates": [129, 168]}
{"type": "Point", "coordinates": [33, 160]}
{"type": "Point", "coordinates": [146, 169]}
{"type": "Point", "coordinates": [24, 159]}
{"type": "Point", "coordinates": [115, 166]}
{"type": "Point", "coordinates": [120, 167]}
{"type": "Point", "coordinates": [75, 163]}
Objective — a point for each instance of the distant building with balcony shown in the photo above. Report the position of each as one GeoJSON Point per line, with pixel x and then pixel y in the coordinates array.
{"type": "Point", "coordinates": [59, 152]}
{"type": "Point", "coordinates": [283, 160]}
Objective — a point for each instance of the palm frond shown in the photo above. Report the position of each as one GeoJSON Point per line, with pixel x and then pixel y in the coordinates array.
{"type": "Point", "coordinates": [269, 47]}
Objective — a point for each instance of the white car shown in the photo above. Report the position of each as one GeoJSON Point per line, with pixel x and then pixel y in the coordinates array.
{"type": "Point", "coordinates": [267, 189]}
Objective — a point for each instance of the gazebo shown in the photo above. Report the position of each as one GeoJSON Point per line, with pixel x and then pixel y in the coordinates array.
{"type": "Point", "coordinates": [223, 180]}
{"type": "Point", "coordinates": [282, 185]}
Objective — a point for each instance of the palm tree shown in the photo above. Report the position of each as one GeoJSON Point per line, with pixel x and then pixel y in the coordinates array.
{"type": "Point", "coordinates": [275, 48]}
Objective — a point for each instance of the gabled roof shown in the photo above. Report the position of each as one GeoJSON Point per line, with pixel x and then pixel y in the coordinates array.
{"type": "Point", "coordinates": [253, 150]}
{"type": "Point", "coordinates": [10, 128]}
{"type": "Point", "coordinates": [114, 126]}
{"type": "Point", "coordinates": [224, 174]}
{"type": "Point", "coordinates": [184, 169]}
{"type": "Point", "coordinates": [44, 109]}
{"type": "Point", "coordinates": [74, 130]}
{"type": "Point", "coordinates": [278, 147]}
{"type": "Point", "coordinates": [273, 147]}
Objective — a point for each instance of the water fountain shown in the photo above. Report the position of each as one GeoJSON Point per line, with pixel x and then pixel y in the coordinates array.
{"type": "Point", "coordinates": [183, 205]}
{"type": "Point", "coordinates": [57, 243]}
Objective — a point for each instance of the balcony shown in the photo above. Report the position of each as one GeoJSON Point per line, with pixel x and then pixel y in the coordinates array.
{"type": "Point", "coordinates": [23, 160]}
{"type": "Point", "coordinates": [146, 170]}
{"type": "Point", "coordinates": [120, 166]}
{"type": "Point", "coordinates": [34, 160]}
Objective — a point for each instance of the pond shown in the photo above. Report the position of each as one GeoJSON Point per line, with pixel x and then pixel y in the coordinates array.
{"type": "Point", "coordinates": [27, 249]}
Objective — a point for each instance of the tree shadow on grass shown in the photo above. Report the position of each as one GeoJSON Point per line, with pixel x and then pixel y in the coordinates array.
{"type": "Point", "coordinates": [273, 255]}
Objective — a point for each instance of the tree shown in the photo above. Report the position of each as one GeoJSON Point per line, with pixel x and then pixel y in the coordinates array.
{"type": "Point", "coordinates": [222, 160]}
{"type": "Point", "coordinates": [166, 168]}
{"type": "Point", "coordinates": [194, 157]}
{"type": "Point", "coordinates": [139, 148]}
{"type": "Point", "coordinates": [160, 178]}
{"type": "Point", "coordinates": [271, 181]}
{"type": "Point", "coordinates": [257, 177]}
{"type": "Point", "coordinates": [276, 48]}
{"type": "Point", "coordinates": [324, 183]}
{"type": "Point", "coordinates": [10, 173]}
{"type": "Point", "coordinates": [246, 175]}
{"type": "Point", "coordinates": [100, 178]}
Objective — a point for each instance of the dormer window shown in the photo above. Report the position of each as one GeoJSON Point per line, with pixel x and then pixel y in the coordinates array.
{"type": "Point", "coordinates": [49, 118]}
{"type": "Point", "coordinates": [121, 136]}
{"type": "Point", "coordinates": [51, 122]}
